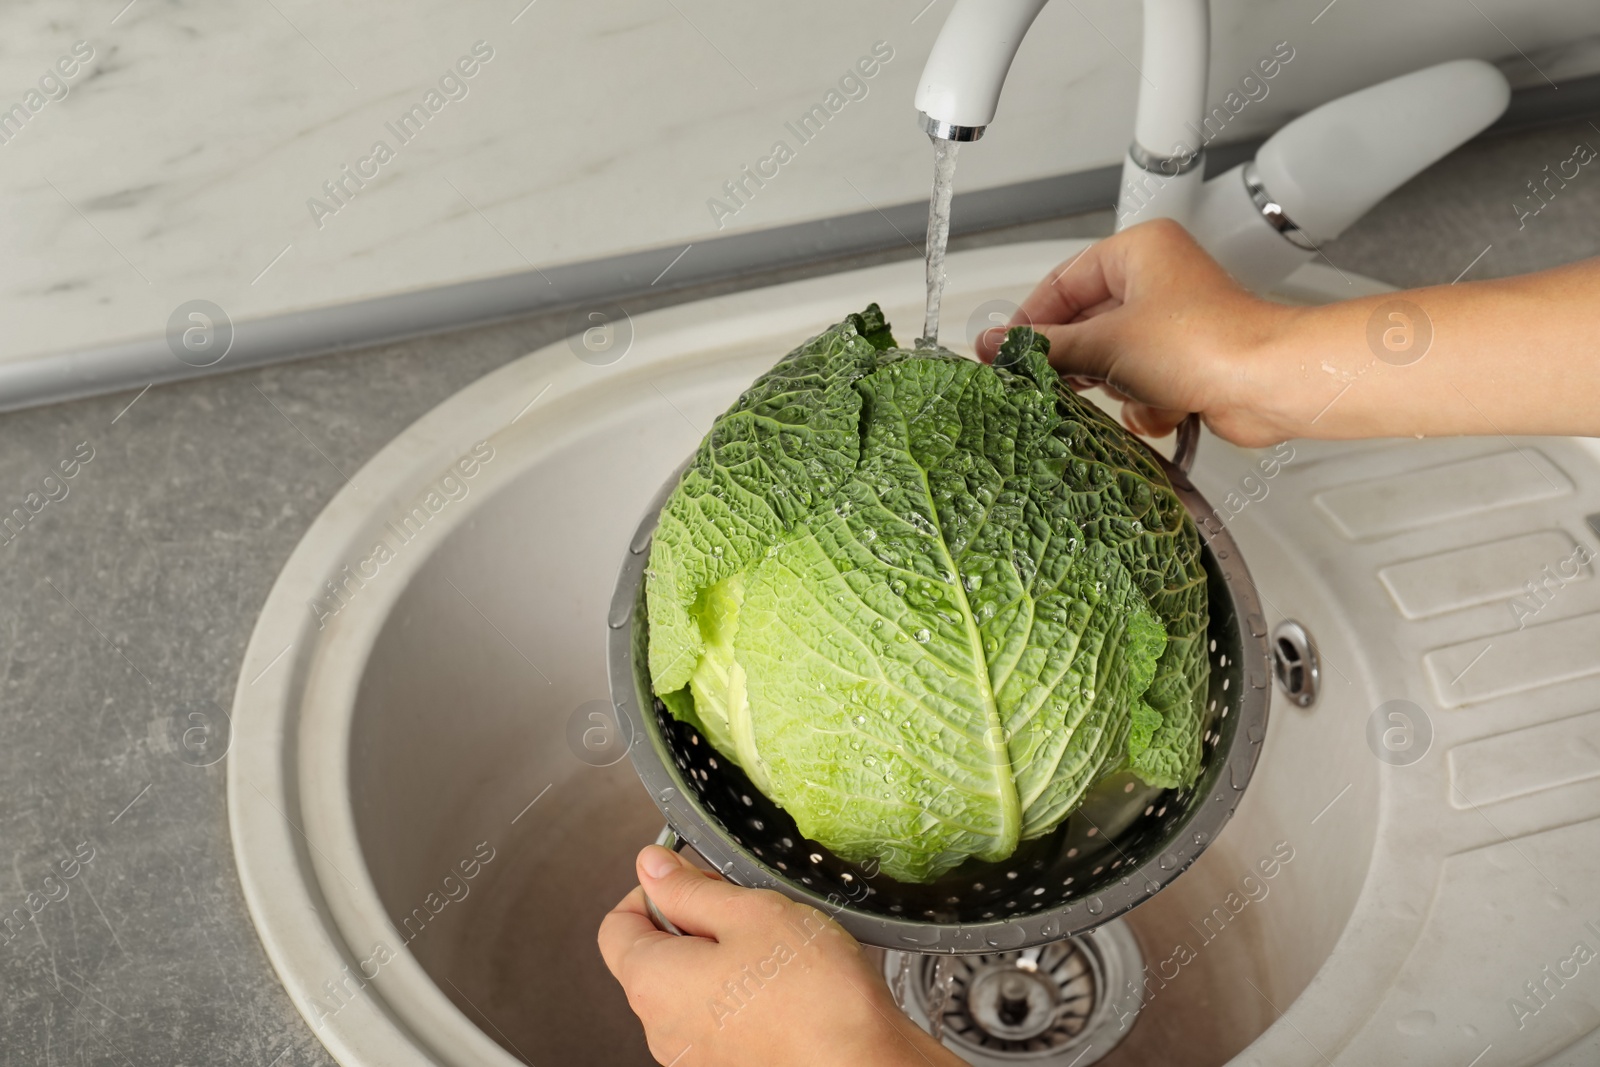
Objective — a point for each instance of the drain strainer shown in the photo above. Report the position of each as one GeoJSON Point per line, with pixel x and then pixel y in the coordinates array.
{"type": "Point", "coordinates": [1295, 663]}
{"type": "Point", "coordinates": [1067, 1002]}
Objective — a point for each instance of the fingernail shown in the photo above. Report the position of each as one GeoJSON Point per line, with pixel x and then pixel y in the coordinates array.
{"type": "Point", "coordinates": [657, 862]}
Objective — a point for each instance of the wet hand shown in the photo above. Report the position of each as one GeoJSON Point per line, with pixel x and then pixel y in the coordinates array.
{"type": "Point", "coordinates": [1155, 321]}
{"type": "Point", "coordinates": [759, 980]}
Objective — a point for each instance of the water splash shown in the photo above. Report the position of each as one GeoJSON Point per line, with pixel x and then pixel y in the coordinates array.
{"type": "Point", "coordinates": [901, 976]}
{"type": "Point", "coordinates": [944, 984]}
{"type": "Point", "coordinates": [944, 176]}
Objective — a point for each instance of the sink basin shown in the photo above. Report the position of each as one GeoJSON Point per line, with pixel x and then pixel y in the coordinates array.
{"type": "Point", "coordinates": [430, 817]}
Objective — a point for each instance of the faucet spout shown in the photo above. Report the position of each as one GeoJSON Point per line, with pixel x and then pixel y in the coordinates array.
{"type": "Point", "coordinates": [960, 87]}
{"type": "Point", "coordinates": [960, 91]}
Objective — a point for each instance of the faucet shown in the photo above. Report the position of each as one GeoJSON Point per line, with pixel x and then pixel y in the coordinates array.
{"type": "Point", "coordinates": [960, 87]}
{"type": "Point", "coordinates": [960, 91]}
{"type": "Point", "coordinates": [1262, 219]}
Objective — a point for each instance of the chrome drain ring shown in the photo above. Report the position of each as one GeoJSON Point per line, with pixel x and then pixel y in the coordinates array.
{"type": "Point", "coordinates": [1065, 1002]}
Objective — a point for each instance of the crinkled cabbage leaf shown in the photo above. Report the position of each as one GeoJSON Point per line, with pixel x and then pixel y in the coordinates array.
{"type": "Point", "coordinates": [926, 603]}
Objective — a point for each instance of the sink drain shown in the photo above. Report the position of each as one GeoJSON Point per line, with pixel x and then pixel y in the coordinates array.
{"type": "Point", "coordinates": [1295, 664]}
{"type": "Point", "coordinates": [1068, 1002]}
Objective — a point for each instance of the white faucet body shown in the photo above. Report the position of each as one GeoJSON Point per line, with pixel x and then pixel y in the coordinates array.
{"type": "Point", "coordinates": [1309, 181]}
{"type": "Point", "coordinates": [960, 87]}
{"type": "Point", "coordinates": [959, 92]}
{"type": "Point", "coordinates": [1165, 165]}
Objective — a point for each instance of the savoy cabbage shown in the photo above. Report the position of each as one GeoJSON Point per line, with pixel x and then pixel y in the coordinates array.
{"type": "Point", "coordinates": [925, 603]}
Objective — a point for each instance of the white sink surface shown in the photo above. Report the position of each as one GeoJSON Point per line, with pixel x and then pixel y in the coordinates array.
{"type": "Point", "coordinates": [411, 728]}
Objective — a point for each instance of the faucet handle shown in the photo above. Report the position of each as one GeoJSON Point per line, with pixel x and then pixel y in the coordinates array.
{"type": "Point", "coordinates": [1330, 166]}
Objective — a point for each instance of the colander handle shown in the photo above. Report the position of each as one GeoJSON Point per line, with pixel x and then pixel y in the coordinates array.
{"type": "Point", "coordinates": [667, 838]}
{"type": "Point", "coordinates": [1187, 444]}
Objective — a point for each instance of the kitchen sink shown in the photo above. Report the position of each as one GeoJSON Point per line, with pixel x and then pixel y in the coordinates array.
{"type": "Point", "coordinates": [432, 808]}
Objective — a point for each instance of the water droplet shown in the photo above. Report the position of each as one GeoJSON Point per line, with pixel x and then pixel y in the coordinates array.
{"type": "Point", "coordinates": [922, 637]}
{"type": "Point", "coordinates": [1007, 936]}
{"type": "Point", "coordinates": [1201, 837]}
{"type": "Point", "coordinates": [1095, 906]}
{"type": "Point", "coordinates": [860, 720]}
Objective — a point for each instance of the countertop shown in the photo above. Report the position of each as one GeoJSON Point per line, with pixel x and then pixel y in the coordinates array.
{"type": "Point", "coordinates": [129, 597]}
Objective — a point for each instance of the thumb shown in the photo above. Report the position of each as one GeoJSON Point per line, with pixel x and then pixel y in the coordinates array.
{"type": "Point", "coordinates": [1084, 349]}
{"type": "Point", "coordinates": [695, 901]}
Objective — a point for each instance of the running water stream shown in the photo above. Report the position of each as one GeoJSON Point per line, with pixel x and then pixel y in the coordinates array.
{"type": "Point", "coordinates": [944, 982]}
{"type": "Point", "coordinates": [944, 174]}
{"type": "Point", "coordinates": [902, 974]}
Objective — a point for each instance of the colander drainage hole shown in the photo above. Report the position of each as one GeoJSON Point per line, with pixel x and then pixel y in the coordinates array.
{"type": "Point", "coordinates": [1067, 1002]}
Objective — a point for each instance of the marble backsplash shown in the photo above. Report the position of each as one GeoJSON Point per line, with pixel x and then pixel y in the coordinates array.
{"type": "Point", "coordinates": [288, 155]}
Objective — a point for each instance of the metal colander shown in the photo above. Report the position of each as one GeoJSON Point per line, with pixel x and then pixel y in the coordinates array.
{"type": "Point", "coordinates": [1123, 844]}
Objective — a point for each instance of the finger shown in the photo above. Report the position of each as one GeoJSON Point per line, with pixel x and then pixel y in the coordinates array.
{"type": "Point", "coordinates": [694, 901]}
{"type": "Point", "coordinates": [626, 928]}
{"type": "Point", "coordinates": [1080, 283]}
{"type": "Point", "coordinates": [988, 343]}
{"type": "Point", "coordinates": [1083, 349]}
{"type": "Point", "coordinates": [1098, 309]}
{"type": "Point", "coordinates": [1151, 421]}
{"type": "Point", "coordinates": [1042, 307]}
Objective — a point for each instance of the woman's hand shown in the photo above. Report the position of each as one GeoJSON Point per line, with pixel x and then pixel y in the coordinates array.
{"type": "Point", "coordinates": [1155, 321]}
{"type": "Point", "coordinates": [762, 980]}
{"type": "Point", "coordinates": [1150, 316]}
